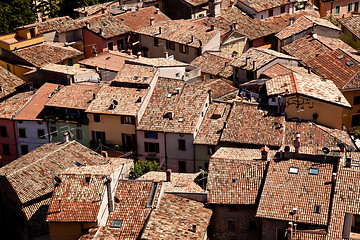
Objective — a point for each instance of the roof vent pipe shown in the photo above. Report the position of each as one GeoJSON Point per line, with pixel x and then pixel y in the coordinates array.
{"type": "Point", "coordinates": [168, 175]}
{"type": "Point", "coordinates": [297, 142]}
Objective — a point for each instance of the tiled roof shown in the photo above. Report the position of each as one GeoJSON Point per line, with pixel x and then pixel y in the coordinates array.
{"type": "Point", "coordinates": [279, 22]}
{"type": "Point", "coordinates": [75, 96]}
{"type": "Point", "coordinates": [235, 175]}
{"type": "Point", "coordinates": [283, 191]}
{"type": "Point", "coordinates": [31, 175]}
{"type": "Point", "coordinates": [307, 85]}
{"type": "Point", "coordinates": [80, 200]}
{"type": "Point", "coordinates": [180, 31]}
{"type": "Point", "coordinates": [308, 47]}
{"type": "Point", "coordinates": [262, 5]}
{"type": "Point", "coordinates": [100, 169]}
{"type": "Point", "coordinates": [158, 62]}
{"type": "Point", "coordinates": [41, 54]}
{"type": "Point", "coordinates": [137, 74]}
{"type": "Point", "coordinates": [186, 107]}
{"type": "Point", "coordinates": [240, 127]}
{"type": "Point", "coordinates": [36, 104]}
{"type": "Point", "coordinates": [352, 24]}
{"type": "Point", "coordinates": [215, 63]}
{"type": "Point", "coordinates": [141, 17]}
{"type": "Point", "coordinates": [280, 69]}
{"type": "Point", "coordinates": [212, 125]}
{"type": "Point", "coordinates": [337, 65]}
{"type": "Point", "coordinates": [303, 23]}
{"type": "Point", "coordinates": [180, 182]}
{"type": "Point", "coordinates": [113, 61]}
{"type": "Point", "coordinates": [314, 137]}
{"type": "Point", "coordinates": [59, 24]}
{"type": "Point", "coordinates": [261, 56]}
{"type": "Point", "coordinates": [218, 87]}
{"type": "Point", "coordinates": [346, 200]}
{"type": "Point", "coordinates": [8, 82]}
{"type": "Point", "coordinates": [36, 216]}
{"type": "Point", "coordinates": [196, 2]}
{"type": "Point", "coordinates": [93, 8]}
{"type": "Point", "coordinates": [71, 70]}
{"type": "Point", "coordinates": [11, 106]}
{"type": "Point", "coordinates": [105, 25]}
{"type": "Point", "coordinates": [175, 217]}
{"type": "Point", "coordinates": [117, 101]}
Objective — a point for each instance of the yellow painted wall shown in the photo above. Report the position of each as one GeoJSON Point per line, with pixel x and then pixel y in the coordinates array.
{"type": "Point", "coordinates": [16, 70]}
{"type": "Point", "coordinates": [328, 114]}
{"type": "Point", "coordinates": [22, 44]}
{"type": "Point", "coordinates": [234, 43]}
{"type": "Point", "coordinates": [202, 156]}
{"type": "Point", "coordinates": [111, 125]}
{"type": "Point", "coordinates": [68, 231]}
{"type": "Point", "coordinates": [347, 113]}
{"type": "Point", "coordinates": [347, 37]}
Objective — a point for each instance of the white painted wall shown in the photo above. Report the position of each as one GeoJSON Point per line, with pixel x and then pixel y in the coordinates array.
{"type": "Point", "coordinates": [141, 145]}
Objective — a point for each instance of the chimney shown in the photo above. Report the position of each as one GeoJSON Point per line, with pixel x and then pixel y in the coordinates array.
{"type": "Point", "coordinates": [159, 30]}
{"type": "Point", "coordinates": [168, 175]}
{"type": "Point", "coordinates": [293, 37]}
{"type": "Point", "coordinates": [192, 39]}
{"type": "Point", "coordinates": [210, 100]}
{"type": "Point", "coordinates": [59, 199]}
{"type": "Point", "coordinates": [105, 154]}
{"type": "Point", "coordinates": [297, 142]}
{"type": "Point", "coordinates": [66, 137]}
{"type": "Point", "coordinates": [287, 152]}
{"type": "Point", "coordinates": [166, 55]}
{"type": "Point", "coordinates": [215, 8]}
{"type": "Point", "coordinates": [264, 152]}
{"type": "Point", "coordinates": [138, 54]}
{"type": "Point", "coordinates": [212, 27]}
{"type": "Point", "coordinates": [109, 194]}
{"type": "Point", "coordinates": [121, 4]}
{"type": "Point", "coordinates": [309, 70]}
{"type": "Point", "coordinates": [194, 228]}
{"type": "Point", "coordinates": [101, 31]}
{"type": "Point", "coordinates": [291, 20]}
{"type": "Point", "coordinates": [157, 11]}
{"type": "Point", "coordinates": [152, 20]}
{"type": "Point", "coordinates": [234, 26]}
{"type": "Point", "coordinates": [254, 65]}
{"type": "Point", "coordinates": [247, 61]}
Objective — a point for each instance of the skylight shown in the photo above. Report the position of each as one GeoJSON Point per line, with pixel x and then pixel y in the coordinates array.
{"type": "Point", "coordinates": [294, 170]}
{"type": "Point", "coordinates": [233, 181]}
{"type": "Point", "coordinates": [169, 95]}
{"type": "Point", "coordinates": [116, 223]}
{"type": "Point", "coordinates": [314, 171]}
{"type": "Point", "coordinates": [350, 63]}
{"type": "Point", "coordinates": [317, 209]}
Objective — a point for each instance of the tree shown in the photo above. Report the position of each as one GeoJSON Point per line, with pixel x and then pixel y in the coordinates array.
{"type": "Point", "coordinates": [67, 6]}
{"type": "Point", "coordinates": [141, 167]}
{"type": "Point", "coordinates": [14, 14]}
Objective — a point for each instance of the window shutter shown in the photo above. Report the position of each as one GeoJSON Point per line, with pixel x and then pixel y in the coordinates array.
{"type": "Point", "coordinates": [122, 119]}
{"type": "Point", "coordinates": [146, 147]}
{"type": "Point", "coordinates": [157, 148]}
{"type": "Point", "coordinates": [123, 139]}
{"type": "Point", "coordinates": [156, 135]}
{"type": "Point", "coordinates": [132, 120]}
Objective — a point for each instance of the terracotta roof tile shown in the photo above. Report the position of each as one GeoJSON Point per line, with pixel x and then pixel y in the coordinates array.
{"type": "Point", "coordinates": [337, 65]}
{"type": "Point", "coordinates": [352, 24]}
{"type": "Point", "coordinates": [235, 175]}
{"type": "Point", "coordinates": [137, 74]}
{"type": "Point", "coordinates": [175, 217]}
{"type": "Point", "coordinates": [59, 24]}
{"type": "Point", "coordinates": [215, 63]}
{"type": "Point", "coordinates": [11, 106]}
{"type": "Point", "coordinates": [75, 96]}
{"type": "Point", "coordinates": [93, 8]}
{"type": "Point", "coordinates": [117, 101]}
{"type": "Point", "coordinates": [196, 2]}
{"type": "Point", "coordinates": [240, 128]}
{"type": "Point", "coordinates": [212, 125]}
{"type": "Point", "coordinates": [141, 17]}
{"type": "Point", "coordinates": [8, 82]}
{"type": "Point", "coordinates": [158, 62]}
{"type": "Point", "coordinates": [180, 31]}
{"type": "Point", "coordinates": [306, 85]}
{"type": "Point", "coordinates": [70, 70]}
{"type": "Point", "coordinates": [41, 54]}
{"type": "Point", "coordinates": [105, 25]}
{"type": "Point", "coordinates": [37, 102]}
{"type": "Point", "coordinates": [284, 191]}
{"type": "Point", "coordinates": [262, 5]}
{"type": "Point", "coordinates": [36, 216]}
{"type": "Point", "coordinates": [31, 175]}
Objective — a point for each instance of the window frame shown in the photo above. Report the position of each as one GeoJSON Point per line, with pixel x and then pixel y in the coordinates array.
{"type": "Point", "coordinates": [170, 45]}
{"type": "Point", "coordinates": [41, 136]}
{"type": "Point", "coordinates": [337, 10]}
{"type": "Point", "coordinates": [24, 149]}
{"type": "Point", "coordinates": [151, 147]}
{"type": "Point", "coordinates": [3, 131]}
{"type": "Point", "coordinates": [231, 225]}
{"type": "Point", "coordinates": [22, 133]}
{"type": "Point", "coordinates": [181, 144]}
{"type": "Point", "coordinates": [110, 43]}
{"type": "Point", "coordinates": [350, 7]}
{"type": "Point", "coordinates": [96, 117]}
{"type": "Point", "coordinates": [271, 12]}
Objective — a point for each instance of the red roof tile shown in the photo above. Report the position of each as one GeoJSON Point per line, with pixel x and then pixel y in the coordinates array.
{"type": "Point", "coordinates": [11, 106]}
{"type": "Point", "coordinates": [262, 5]}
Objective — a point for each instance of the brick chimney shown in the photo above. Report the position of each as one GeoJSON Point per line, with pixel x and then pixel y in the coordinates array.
{"type": "Point", "coordinates": [264, 152]}
{"type": "Point", "coordinates": [152, 21]}
{"type": "Point", "coordinates": [168, 175]}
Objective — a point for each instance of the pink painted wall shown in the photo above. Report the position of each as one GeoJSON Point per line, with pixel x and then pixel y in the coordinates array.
{"type": "Point", "coordinates": [325, 8]}
{"type": "Point", "coordinates": [10, 140]}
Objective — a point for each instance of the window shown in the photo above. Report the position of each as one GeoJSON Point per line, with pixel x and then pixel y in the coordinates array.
{"type": "Point", "coordinates": [282, 9]}
{"type": "Point", "coordinates": [128, 139]}
{"type": "Point", "coordinates": [356, 7]}
{"type": "Point", "coordinates": [181, 145]}
{"type": "Point", "coordinates": [231, 223]}
{"type": "Point", "coordinates": [170, 45]}
{"type": "Point", "coordinates": [3, 131]}
{"type": "Point", "coordinates": [53, 131]}
{"type": "Point", "coordinates": [110, 45]}
{"type": "Point", "coordinates": [317, 209]}
{"type": "Point", "coordinates": [97, 117]}
{"type": "Point", "coordinates": [79, 134]}
{"type": "Point", "coordinates": [356, 100]}
{"type": "Point", "coordinates": [151, 147]}
{"type": "Point", "coordinates": [121, 44]}
{"type": "Point", "coordinates": [98, 136]}
{"type": "Point", "coordinates": [184, 49]}
{"type": "Point", "coordinates": [6, 149]}
{"type": "Point", "coordinates": [314, 171]}
{"type": "Point", "coordinates": [41, 133]}
{"type": "Point", "coordinates": [337, 10]}
{"type": "Point", "coordinates": [116, 223]}
{"type": "Point", "coordinates": [350, 5]}
{"type": "Point", "coordinates": [355, 121]}
{"type": "Point", "coordinates": [127, 120]}
{"type": "Point", "coordinates": [8, 67]}
{"type": "Point", "coordinates": [271, 12]}
{"type": "Point", "coordinates": [70, 62]}
{"type": "Point", "coordinates": [22, 132]}
{"type": "Point", "coordinates": [294, 170]}
{"type": "Point", "coordinates": [153, 135]}
{"type": "Point", "coordinates": [24, 149]}
{"type": "Point", "coordinates": [156, 41]}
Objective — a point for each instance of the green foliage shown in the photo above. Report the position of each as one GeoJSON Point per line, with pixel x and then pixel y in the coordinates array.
{"type": "Point", "coordinates": [357, 134]}
{"type": "Point", "coordinates": [141, 167]}
{"type": "Point", "coordinates": [14, 14]}
{"type": "Point", "coordinates": [333, 20]}
{"type": "Point", "coordinates": [67, 6]}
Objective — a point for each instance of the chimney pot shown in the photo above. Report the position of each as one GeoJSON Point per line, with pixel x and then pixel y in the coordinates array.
{"type": "Point", "coordinates": [297, 142]}
{"type": "Point", "coordinates": [157, 11]}
{"type": "Point", "coordinates": [309, 70]}
{"type": "Point", "coordinates": [194, 228]}
{"type": "Point", "coordinates": [247, 61]}
{"type": "Point", "coordinates": [210, 100]}
{"type": "Point", "coordinates": [152, 20]}
{"type": "Point", "coordinates": [264, 152]}
{"type": "Point", "coordinates": [168, 175]}
{"type": "Point", "coordinates": [212, 27]}
{"type": "Point", "coordinates": [66, 136]}
{"type": "Point", "coordinates": [159, 30]}
{"type": "Point", "coordinates": [254, 65]}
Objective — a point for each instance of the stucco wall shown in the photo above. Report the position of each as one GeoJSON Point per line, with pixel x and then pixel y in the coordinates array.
{"type": "Point", "coordinates": [64, 126]}
{"type": "Point", "coordinates": [328, 8]}
{"type": "Point", "coordinates": [141, 145]}
{"type": "Point", "coordinates": [9, 140]}
{"type": "Point", "coordinates": [347, 113]}
{"type": "Point", "coordinates": [348, 37]}
{"type": "Point", "coordinates": [175, 155]}
{"type": "Point", "coordinates": [68, 231]}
